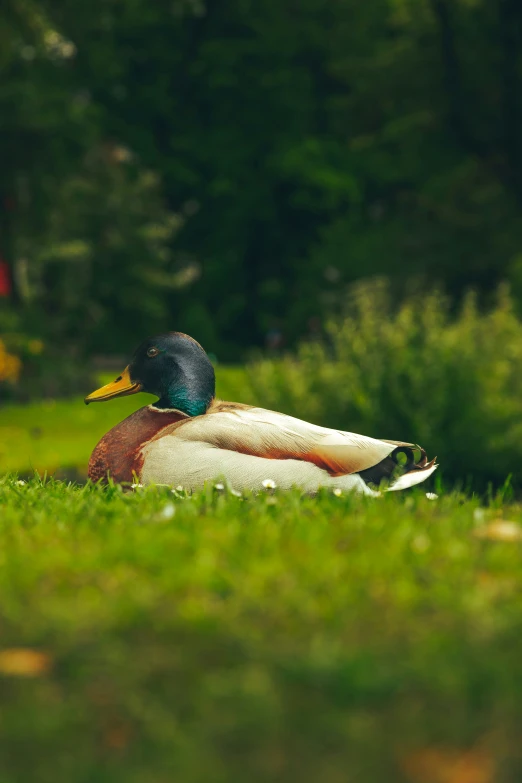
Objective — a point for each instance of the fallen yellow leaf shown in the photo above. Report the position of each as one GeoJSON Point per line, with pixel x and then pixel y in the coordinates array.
{"type": "Point", "coordinates": [500, 530]}
{"type": "Point", "coordinates": [117, 737]}
{"type": "Point", "coordinates": [443, 765]}
{"type": "Point", "coordinates": [24, 662]}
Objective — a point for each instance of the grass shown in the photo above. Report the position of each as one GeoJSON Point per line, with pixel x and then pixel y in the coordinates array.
{"type": "Point", "coordinates": [150, 637]}
{"type": "Point", "coordinates": [59, 435]}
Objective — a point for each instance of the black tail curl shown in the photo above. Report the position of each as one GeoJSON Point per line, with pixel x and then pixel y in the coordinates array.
{"type": "Point", "coordinates": [403, 459]}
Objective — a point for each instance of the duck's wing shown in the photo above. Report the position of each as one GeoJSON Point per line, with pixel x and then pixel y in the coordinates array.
{"type": "Point", "coordinates": [263, 433]}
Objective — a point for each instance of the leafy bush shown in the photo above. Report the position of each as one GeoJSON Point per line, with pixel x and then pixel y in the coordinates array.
{"type": "Point", "coordinates": [10, 365]}
{"type": "Point", "coordinates": [418, 372]}
{"type": "Point", "coordinates": [101, 272]}
{"type": "Point", "coordinates": [31, 369]}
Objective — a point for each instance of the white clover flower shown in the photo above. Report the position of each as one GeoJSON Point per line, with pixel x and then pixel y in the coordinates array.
{"type": "Point", "coordinates": [500, 530]}
{"type": "Point", "coordinates": [420, 543]}
{"type": "Point", "coordinates": [236, 493]}
{"type": "Point", "coordinates": [432, 496]}
{"type": "Point", "coordinates": [20, 483]}
{"type": "Point", "coordinates": [220, 487]}
{"type": "Point", "coordinates": [479, 515]}
{"type": "Point", "coordinates": [168, 511]}
{"type": "Point", "coordinates": [269, 484]}
{"type": "Point", "coordinates": [136, 486]}
{"type": "Point", "coordinates": [337, 492]}
{"type": "Point", "coordinates": [179, 489]}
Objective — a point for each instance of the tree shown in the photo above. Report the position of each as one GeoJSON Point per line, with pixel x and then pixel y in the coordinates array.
{"type": "Point", "coordinates": [301, 146]}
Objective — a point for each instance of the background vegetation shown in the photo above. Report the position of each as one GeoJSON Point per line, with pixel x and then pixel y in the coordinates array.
{"type": "Point", "coordinates": [227, 169]}
{"type": "Point", "coordinates": [448, 381]}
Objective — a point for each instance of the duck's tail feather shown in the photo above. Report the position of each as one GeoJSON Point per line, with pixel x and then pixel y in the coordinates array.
{"type": "Point", "coordinates": [403, 468]}
{"type": "Point", "coordinates": [413, 477]}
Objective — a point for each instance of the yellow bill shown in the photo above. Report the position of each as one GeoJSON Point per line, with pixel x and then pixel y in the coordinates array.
{"type": "Point", "coordinates": [122, 386]}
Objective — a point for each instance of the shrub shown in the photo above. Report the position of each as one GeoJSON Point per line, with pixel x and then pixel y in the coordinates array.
{"type": "Point", "coordinates": [418, 372]}
{"type": "Point", "coordinates": [10, 365]}
{"type": "Point", "coordinates": [30, 369]}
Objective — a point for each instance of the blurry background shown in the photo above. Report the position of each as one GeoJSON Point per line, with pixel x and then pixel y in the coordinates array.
{"type": "Point", "coordinates": [323, 182]}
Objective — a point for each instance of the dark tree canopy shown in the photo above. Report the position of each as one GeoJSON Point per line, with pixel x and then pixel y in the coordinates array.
{"type": "Point", "coordinates": [229, 168]}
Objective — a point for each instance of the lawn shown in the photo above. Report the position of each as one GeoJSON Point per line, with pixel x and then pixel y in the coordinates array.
{"type": "Point", "coordinates": [149, 637]}
{"type": "Point", "coordinates": [58, 436]}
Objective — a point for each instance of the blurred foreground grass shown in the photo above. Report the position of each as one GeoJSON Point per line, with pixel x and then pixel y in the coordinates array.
{"type": "Point", "coordinates": [151, 637]}
{"type": "Point", "coordinates": [54, 435]}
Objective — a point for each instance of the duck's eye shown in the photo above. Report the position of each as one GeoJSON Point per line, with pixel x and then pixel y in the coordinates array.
{"type": "Point", "coordinates": [152, 352]}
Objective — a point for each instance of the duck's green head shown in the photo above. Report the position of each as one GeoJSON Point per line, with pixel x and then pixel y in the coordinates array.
{"type": "Point", "coordinates": [172, 366]}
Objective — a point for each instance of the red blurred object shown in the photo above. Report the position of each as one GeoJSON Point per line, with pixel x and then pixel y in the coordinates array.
{"type": "Point", "coordinates": [5, 279]}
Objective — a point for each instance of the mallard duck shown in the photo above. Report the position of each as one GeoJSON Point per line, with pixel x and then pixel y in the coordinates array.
{"type": "Point", "coordinates": [189, 437]}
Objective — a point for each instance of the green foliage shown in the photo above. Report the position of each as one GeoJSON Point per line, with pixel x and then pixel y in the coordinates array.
{"type": "Point", "coordinates": [42, 370]}
{"type": "Point", "coordinates": [213, 638]}
{"type": "Point", "coordinates": [10, 366]}
{"type": "Point", "coordinates": [105, 264]}
{"type": "Point", "coordinates": [416, 372]}
{"type": "Point", "coordinates": [300, 147]}
{"type": "Point", "coordinates": [84, 225]}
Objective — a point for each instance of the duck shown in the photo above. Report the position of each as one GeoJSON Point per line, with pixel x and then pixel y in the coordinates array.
{"type": "Point", "coordinates": [188, 437]}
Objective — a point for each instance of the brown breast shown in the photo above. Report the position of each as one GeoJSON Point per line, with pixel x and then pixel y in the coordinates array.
{"type": "Point", "coordinates": [118, 454]}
